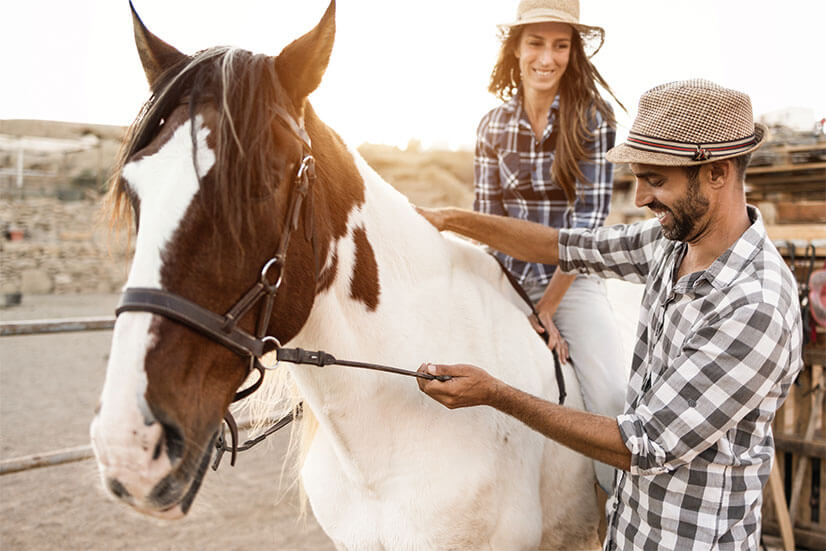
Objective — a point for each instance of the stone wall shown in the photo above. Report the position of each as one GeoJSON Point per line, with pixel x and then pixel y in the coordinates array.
{"type": "Point", "coordinates": [66, 247]}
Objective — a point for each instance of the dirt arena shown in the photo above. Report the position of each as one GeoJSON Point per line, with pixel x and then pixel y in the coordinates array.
{"type": "Point", "coordinates": [49, 385]}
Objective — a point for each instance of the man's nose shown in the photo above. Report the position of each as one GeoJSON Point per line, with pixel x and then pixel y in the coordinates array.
{"type": "Point", "coordinates": [642, 194]}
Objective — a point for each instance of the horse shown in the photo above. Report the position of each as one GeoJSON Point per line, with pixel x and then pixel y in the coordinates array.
{"type": "Point", "coordinates": [210, 174]}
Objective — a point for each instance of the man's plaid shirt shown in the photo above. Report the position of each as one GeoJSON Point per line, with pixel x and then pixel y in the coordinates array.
{"type": "Point", "coordinates": [716, 354]}
{"type": "Point", "coordinates": [512, 176]}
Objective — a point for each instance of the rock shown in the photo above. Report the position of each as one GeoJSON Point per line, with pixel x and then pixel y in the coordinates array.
{"type": "Point", "coordinates": [36, 282]}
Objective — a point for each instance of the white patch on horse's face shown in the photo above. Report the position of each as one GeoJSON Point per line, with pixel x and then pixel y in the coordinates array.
{"type": "Point", "coordinates": [123, 433]}
{"type": "Point", "coordinates": [165, 184]}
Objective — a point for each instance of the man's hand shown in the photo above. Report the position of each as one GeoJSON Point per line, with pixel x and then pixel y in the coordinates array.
{"type": "Point", "coordinates": [468, 386]}
{"type": "Point", "coordinates": [520, 239]}
{"type": "Point", "coordinates": [436, 217]}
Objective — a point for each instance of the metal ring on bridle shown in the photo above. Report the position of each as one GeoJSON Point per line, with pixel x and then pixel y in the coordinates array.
{"type": "Point", "coordinates": [276, 260]}
{"type": "Point", "coordinates": [270, 338]}
{"type": "Point", "coordinates": [306, 163]}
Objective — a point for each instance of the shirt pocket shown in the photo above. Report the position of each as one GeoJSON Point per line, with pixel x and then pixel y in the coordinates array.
{"type": "Point", "coordinates": [516, 179]}
{"type": "Point", "coordinates": [516, 172]}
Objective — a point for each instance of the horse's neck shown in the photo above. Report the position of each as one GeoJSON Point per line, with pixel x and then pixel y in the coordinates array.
{"type": "Point", "coordinates": [413, 263]}
{"type": "Point", "coordinates": [438, 299]}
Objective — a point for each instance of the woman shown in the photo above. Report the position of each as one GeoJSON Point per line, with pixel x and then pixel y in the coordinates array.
{"type": "Point", "coordinates": [540, 156]}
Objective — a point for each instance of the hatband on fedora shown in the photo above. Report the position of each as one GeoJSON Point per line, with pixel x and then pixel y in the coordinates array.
{"type": "Point", "coordinates": [557, 11]}
{"type": "Point", "coordinates": [690, 122]}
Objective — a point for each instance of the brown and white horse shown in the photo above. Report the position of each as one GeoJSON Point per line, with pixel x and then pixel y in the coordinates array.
{"type": "Point", "coordinates": [208, 172]}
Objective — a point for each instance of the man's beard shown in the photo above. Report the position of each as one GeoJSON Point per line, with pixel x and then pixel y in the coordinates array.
{"type": "Point", "coordinates": [686, 213]}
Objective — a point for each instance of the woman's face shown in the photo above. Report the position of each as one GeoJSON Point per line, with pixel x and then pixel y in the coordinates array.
{"type": "Point", "coordinates": [543, 52]}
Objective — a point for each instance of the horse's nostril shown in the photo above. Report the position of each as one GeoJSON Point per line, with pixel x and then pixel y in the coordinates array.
{"type": "Point", "coordinates": [117, 489]}
{"type": "Point", "coordinates": [174, 442]}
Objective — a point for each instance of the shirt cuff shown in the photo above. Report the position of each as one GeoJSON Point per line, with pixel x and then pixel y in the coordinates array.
{"type": "Point", "coordinates": [647, 457]}
{"type": "Point", "coordinates": [568, 260]}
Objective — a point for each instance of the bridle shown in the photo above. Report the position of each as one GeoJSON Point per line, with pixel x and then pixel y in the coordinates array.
{"type": "Point", "coordinates": [224, 329]}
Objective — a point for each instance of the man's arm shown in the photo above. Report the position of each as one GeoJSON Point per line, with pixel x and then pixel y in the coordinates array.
{"type": "Point", "coordinates": [594, 436]}
{"type": "Point", "coordinates": [520, 239]}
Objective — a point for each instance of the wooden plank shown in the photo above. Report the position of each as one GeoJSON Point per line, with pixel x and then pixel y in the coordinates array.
{"type": "Point", "coordinates": [806, 232]}
{"type": "Point", "coordinates": [781, 512]}
{"type": "Point", "coordinates": [803, 462]}
{"type": "Point", "coordinates": [815, 447]}
{"type": "Point", "coordinates": [768, 169]}
{"type": "Point", "coordinates": [807, 539]}
{"type": "Point", "coordinates": [800, 212]}
{"type": "Point", "coordinates": [814, 354]}
{"type": "Point", "coordinates": [802, 147]}
{"type": "Point", "coordinates": [36, 327]}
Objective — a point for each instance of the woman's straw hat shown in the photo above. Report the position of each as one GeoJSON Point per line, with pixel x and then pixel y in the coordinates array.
{"type": "Point", "coordinates": [557, 11]}
{"type": "Point", "coordinates": [690, 122]}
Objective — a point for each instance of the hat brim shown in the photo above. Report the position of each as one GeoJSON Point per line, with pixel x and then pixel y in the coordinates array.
{"type": "Point", "coordinates": [592, 37]}
{"type": "Point", "coordinates": [625, 153]}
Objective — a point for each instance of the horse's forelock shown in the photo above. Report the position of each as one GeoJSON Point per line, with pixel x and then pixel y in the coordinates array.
{"type": "Point", "coordinates": [242, 87]}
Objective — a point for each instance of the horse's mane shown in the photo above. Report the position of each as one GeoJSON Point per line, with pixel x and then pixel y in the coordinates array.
{"type": "Point", "coordinates": [242, 86]}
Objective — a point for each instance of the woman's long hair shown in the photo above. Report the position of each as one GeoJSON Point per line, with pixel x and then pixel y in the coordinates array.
{"type": "Point", "coordinates": [579, 100]}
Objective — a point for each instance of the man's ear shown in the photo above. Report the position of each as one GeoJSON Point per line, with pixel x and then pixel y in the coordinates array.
{"type": "Point", "coordinates": [719, 173]}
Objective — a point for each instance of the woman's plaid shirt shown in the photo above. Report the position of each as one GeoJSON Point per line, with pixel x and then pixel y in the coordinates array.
{"type": "Point", "coordinates": [512, 176]}
{"type": "Point", "coordinates": [715, 356]}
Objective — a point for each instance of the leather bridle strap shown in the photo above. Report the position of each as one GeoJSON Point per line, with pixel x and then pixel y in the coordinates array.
{"type": "Point", "coordinates": [560, 377]}
{"type": "Point", "coordinates": [206, 322]}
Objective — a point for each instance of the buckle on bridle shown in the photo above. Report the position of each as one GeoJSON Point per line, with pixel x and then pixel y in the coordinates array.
{"type": "Point", "coordinates": [306, 171]}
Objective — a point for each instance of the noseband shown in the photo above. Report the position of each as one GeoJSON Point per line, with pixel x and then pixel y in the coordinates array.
{"type": "Point", "coordinates": [224, 329]}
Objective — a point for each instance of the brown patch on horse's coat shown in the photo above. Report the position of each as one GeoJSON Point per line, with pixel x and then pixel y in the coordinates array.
{"type": "Point", "coordinates": [364, 286]}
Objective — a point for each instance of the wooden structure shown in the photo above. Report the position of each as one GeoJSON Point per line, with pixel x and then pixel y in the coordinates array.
{"type": "Point", "coordinates": [795, 501]}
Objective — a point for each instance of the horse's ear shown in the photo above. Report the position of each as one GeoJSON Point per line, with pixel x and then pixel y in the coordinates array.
{"type": "Point", "coordinates": [302, 63]}
{"type": "Point", "coordinates": [156, 55]}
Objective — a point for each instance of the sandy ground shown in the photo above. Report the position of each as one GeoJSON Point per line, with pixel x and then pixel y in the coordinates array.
{"type": "Point", "coordinates": [49, 386]}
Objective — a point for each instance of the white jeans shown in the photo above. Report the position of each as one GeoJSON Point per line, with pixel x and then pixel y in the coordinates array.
{"type": "Point", "coordinates": [587, 323]}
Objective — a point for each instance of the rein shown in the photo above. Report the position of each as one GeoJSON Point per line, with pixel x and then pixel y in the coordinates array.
{"type": "Point", "coordinates": [224, 329]}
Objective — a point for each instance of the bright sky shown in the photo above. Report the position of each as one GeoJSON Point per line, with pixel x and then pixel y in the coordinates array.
{"type": "Point", "coordinates": [404, 70]}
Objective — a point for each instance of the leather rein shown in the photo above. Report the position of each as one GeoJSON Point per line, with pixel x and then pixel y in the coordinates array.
{"type": "Point", "coordinates": [224, 329]}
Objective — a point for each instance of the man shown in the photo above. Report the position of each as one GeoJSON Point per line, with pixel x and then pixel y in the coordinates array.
{"type": "Point", "coordinates": [719, 336]}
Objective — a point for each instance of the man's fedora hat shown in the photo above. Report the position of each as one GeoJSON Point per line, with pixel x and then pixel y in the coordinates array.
{"type": "Point", "coordinates": [557, 11]}
{"type": "Point", "coordinates": [690, 122]}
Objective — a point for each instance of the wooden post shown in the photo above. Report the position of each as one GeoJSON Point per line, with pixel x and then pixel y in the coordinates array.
{"type": "Point", "coordinates": [800, 471]}
{"type": "Point", "coordinates": [781, 512]}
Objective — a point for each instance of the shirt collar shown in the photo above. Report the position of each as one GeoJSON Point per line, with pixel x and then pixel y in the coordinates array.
{"type": "Point", "coordinates": [729, 265]}
{"type": "Point", "coordinates": [514, 105]}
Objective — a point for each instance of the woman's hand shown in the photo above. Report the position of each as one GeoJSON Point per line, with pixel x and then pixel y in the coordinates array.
{"type": "Point", "coordinates": [555, 340]}
{"type": "Point", "coordinates": [468, 385]}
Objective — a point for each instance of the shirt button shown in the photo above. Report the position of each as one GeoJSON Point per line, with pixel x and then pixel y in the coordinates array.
{"type": "Point", "coordinates": [692, 403]}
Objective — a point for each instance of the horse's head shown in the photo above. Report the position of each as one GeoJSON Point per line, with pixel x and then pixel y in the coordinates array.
{"type": "Point", "coordinates": [207, 172]}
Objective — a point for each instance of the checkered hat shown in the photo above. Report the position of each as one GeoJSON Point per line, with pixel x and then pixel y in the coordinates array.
{"type": "Point", "coordinates": [690, 122]}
